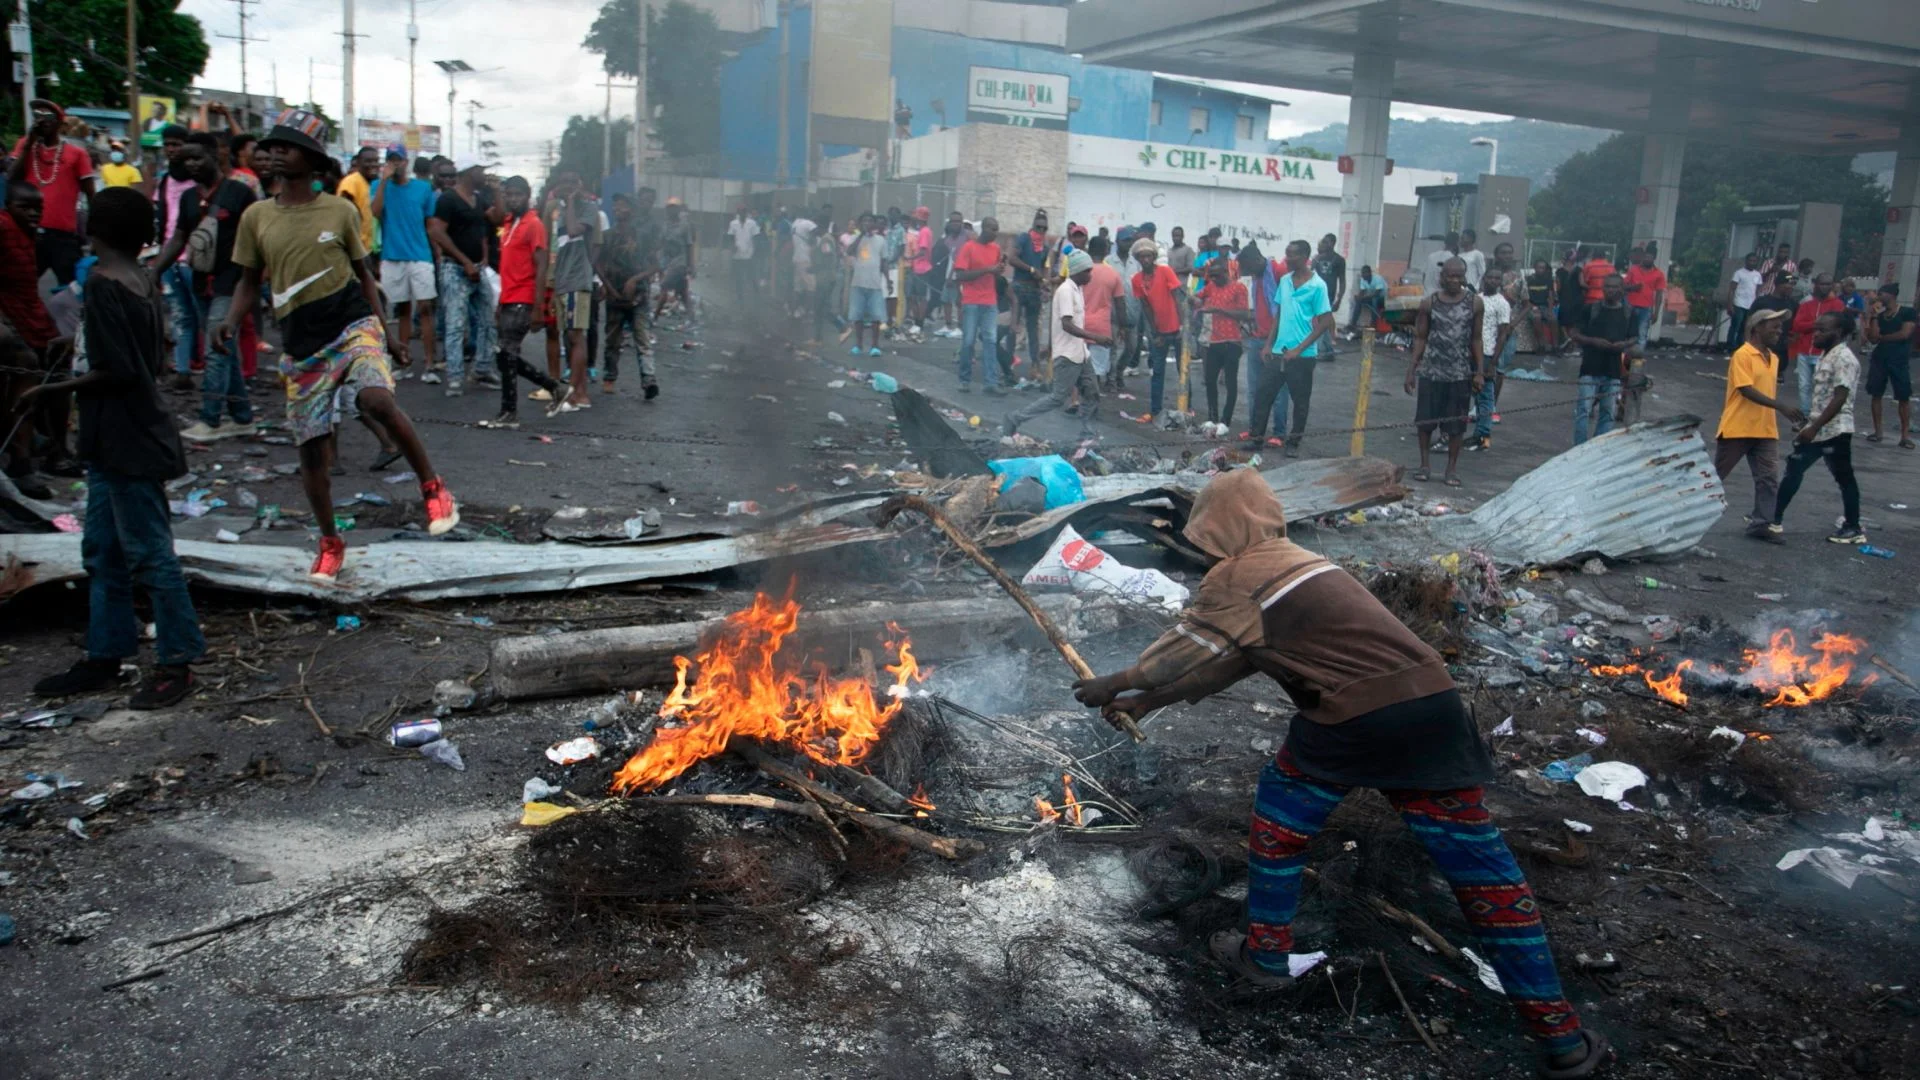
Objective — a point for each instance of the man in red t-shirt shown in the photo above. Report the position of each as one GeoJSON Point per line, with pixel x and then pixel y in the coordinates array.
{"type": "Point", "coordinates": [1646, 287]}
{"type": "Point", "coordinates": [1594, 275]}
{"type": "Point", "coordinates": [1164, 303]}
{"type": "Point", "coordinates": [1806, 355]}
{"type": "Point", "coordinates": [33, 330]}
{"type": "Point", "coordinates": [974, 266]}
{"type": "Point", "coordinates": [523, 280]}
{"type": "Point", "coordinates": [62, 172]}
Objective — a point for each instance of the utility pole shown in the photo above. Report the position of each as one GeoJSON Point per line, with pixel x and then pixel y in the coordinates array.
{"type": "Point", "coordinates": [349, 130]}
{"type": "Point", "coordinates": [413, 47]}
{"type": "Point", "coordinates": [780, 70]}
{"type": "Point", "coordinates": [133, 85]}
{"type": "Point", "coordinates": [22, 34]}
{"type": "Point", "coordinates": [606, 128]}
{"type": "Point", "coordinates": [243, 39]}
{"type": "Point", "coordinates": [640, 114]}
{"type": "Point", "coordinates": [454, 69]}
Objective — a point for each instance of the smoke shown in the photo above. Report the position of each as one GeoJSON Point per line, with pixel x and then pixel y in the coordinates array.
{"type": "Point", "coordinates": [994, 684]}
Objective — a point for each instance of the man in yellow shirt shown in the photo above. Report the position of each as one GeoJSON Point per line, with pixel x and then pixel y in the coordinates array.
{"type": "Point", "coordinates": [116, 172]}
{"type": "Point", "coordinates": [1750, 420]}
{"type": "Point", "coordinates": [357, 188]}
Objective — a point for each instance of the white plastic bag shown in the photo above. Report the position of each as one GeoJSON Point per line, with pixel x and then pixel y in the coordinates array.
{"type": "Point", "coordinates": [1075, 563]}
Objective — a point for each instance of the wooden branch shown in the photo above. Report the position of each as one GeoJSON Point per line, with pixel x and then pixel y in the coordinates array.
{"type": "Point", "coordinates": [892, 508]}
{"type": "Point", "coordinates": [873, 788]}
{"type": "Point", "coordinates": [810, 809]}
{"type": "Point", "coordinates": [944, 846]}
{"type": "Point", "coordinates": [1418, 1027]}
{"type": "Point", "coordinates": [1404, 918]}
{"type": "Point", "coordinates": [1899, 676]}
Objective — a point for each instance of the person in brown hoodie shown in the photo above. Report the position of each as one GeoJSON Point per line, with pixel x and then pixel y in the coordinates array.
{"type": "Point", "coordinates": [1377, 709]}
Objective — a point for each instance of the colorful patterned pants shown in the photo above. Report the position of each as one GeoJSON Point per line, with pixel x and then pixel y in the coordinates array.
{"type": "Point", "coordinates": [1290, 808]}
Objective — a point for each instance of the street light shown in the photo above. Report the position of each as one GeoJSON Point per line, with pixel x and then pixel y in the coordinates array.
{"type": "Point", "coordinates": [453, 68]}
{"type": "Point", "coordinates": [1493, 153]}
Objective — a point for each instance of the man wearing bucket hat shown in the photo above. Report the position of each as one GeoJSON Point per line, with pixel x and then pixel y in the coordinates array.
{"type": "Point", "coordinates": [1071, 337]}
{"type": "Point", "coordinates": [329, 310]}
{"type": "Point", "coordinates": [1750, 419]}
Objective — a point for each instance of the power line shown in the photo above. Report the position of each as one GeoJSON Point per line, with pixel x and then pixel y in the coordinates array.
{"type": "Point", "coordinates": [241, 5]}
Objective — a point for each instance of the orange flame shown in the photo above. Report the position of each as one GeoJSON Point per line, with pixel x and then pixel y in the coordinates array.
{"type": "Point", "coordinates": [1799, 678]}
{"type": "Point", "coordinates": [1669, 687]}
{"type": "Point", "coordinates": [742, 691]}
{"type": "Point", "coordinates": [1071, 804]}
{"type": "Point", "coordinates": [1045, 810]}
{"type": "Point", "coordinates": [922, 806]}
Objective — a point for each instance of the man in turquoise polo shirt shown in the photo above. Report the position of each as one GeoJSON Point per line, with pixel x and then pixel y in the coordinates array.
{"type": "Point", "coordinates": [1304, 315]}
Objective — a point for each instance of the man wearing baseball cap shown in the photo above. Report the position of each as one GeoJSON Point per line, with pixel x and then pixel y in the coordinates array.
{"type": "Point", "coordinates": [1070, 340]}
{"type": "Point", "coordinates": [1750, 419]}
{"type": "Point", "coordinates": [329, 310]}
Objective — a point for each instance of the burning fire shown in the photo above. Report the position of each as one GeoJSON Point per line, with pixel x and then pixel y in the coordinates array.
{"type": "Point", "coordinates": [1069, 805]}
{"type": "Point", "coordinates": [922, 806]}
{"type": "Point", "coordinates": [741, 691]}
{"type": "Point", "coordinates": [1045, 809]}
{"type": "Point", "coordinates": [1796, 678]}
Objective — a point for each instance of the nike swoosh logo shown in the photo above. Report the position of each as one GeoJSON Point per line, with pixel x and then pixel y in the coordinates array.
{"type": "Point", "coordinates": [284, 296]}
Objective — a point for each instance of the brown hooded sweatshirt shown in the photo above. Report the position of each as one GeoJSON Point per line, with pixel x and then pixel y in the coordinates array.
{"type": "Point", "coordinates": [1273, 607]}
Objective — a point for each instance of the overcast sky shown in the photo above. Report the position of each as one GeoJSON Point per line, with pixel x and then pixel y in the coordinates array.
{"type": "Point", "coordinates": [531, 71]}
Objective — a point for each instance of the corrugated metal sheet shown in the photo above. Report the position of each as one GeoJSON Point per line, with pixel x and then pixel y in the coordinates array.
{"type": "Point", "coordinates": [1640, 492]}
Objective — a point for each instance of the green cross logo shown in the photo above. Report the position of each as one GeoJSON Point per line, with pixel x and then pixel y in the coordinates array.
{"type": "Point", "coordinates": [1148, 155]}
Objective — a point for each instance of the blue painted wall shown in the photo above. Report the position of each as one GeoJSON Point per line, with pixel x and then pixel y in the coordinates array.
{"type": "Point", "coordinates": [750, 99]}
{"type": "Point", "coordinates": [1177, 98]}
{"type": "Point", "coordinates": [929, 65]}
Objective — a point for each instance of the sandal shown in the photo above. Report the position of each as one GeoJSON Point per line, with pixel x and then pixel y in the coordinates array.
{"type": "Point", "coordinates": [1906, 444]}
{"type": "Point", "coordinates": [1597, 1054]}
{"type": "Point", "coordinates": [1229, 949]}
{"type": "Point", "coordinates": [1422, 475]}
{"type": "Point", "coordinates": [1875, 437]}
{"type": "Point", "coordinates": [1453, 481]}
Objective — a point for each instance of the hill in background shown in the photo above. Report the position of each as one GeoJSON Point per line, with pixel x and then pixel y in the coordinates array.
{"type": "Point", "coordinates": [1529, 148]}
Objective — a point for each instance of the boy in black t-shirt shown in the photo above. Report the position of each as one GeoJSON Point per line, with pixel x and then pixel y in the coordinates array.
{"type": "Point", "coordinates": [130, 449]}
{"type": "Point", "coordinates": [1604, 332]}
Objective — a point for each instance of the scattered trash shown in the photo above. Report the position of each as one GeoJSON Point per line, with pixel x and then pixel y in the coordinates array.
{"type": "Point", "coordinates": [1076, 564]}
{"type": "Point", "coordinates": [1896, 506]}
{"type": "Point", "coordinates": [344, 522]}
{"type": "Point", "coordinates": [1592, 710]}
{"type": "Point", "coordinates": [1299, 964]}
{"type": "Point", "coordinates": [744, 506]}
{"type": "Point", "coordinates": [1841, 867]}
{"type": "Point", "coordinates": [1595, 737]}
{"type": "Point", "coordinates": [1530, 375]}
{"type": "Point", "coordinates": [574, 751]}
{"type": "Point", "coordinates": [641, 524]}
{"type": "Point", "coordinates": [836, 384]}
{"type": "Point", "coordinates": [226, 536]}
{"type": "Point", "coordinates": [60, 716]}
{"type": "Point", "coordinates": [1488, 978]}
{"type": "Point", "coordinates": [836, 418]}
{"type": "Point", "coordinates": [1738, 737]}
{"type": "Point", "coordinates": [1610, 780]}
{"type": "Point", "coordinates": [1594, 566]}
{"type": "Point", "coordinates": [1026, 495]}
{"type": "Point", "coordinates": [480, 620]}
{"type": "Point", "coordinates": [444, 752]}
{"type": "Point", "coordinates": [454, 694]}
{"type": "Point", "coordinates": [1061, 480]}
{"type": "Point", "coordinates": [1576, 826]}
{"type": "Point", "coordinates": [399, 477]}
{"type": "Point", "coordinates": [1601, 966]}
{"type": "Point", "coordinates": [406, 733]}
{"type": "Point", "coordinates": [766, 397]}
{"type": "Point", "coordinates": [883, 382]}
{"type": "Point", "coordinates": [1655, 583]}
{"type": "Point", "coordinates": [1606, 609]}
{"type": "Point", "coordinates": [536, 814]}
{"type": "Point", "coordinates": [1564, 770]}
{"type": "Point", "coordinates": [1770, 597]}
{"type": "Point", "coordinates": [346, 624]}
{"type": "Point", "coordinates": [66, 523]}
{"type": "Point", "coordinates": [34, 792]}
{"type": "Point", "coordinates": [1505, 727]}
{"type": "Point", "coordinates": [1876, 552]}
{"type": "Point", "coordinates": [1660, 627]}
{"type": "Point", "coordinates": [537, 789]}
{"type": "Point", "coordinates": [78, 828]}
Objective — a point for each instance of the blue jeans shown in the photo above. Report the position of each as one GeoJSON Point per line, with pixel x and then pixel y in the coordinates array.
{"type": "Point", "coordinates": [1600, 389]}
{"type": "Point", "coordinates": [1803, 366]}
{"type": "Point", "coordinates": [221, 387]}
{"type": "Point", "coordinates": [1736, 328]}
{"type": "Point", "coordinates": [1486, 403]}
{"type": "Point", "coordinates": [1158, 346]}
{"type": "Point", "coordinates": [1029, 299]}
{"type": "Point", "coordinates": [977, 324]}
{"type": "Point", "coordinates": [1642, 322]}
{"type": "Point", "coordinates": [126, 540]}
{"type": "Point", "coordinates": [466, 308]}
{"type": "Point", "coordinates": [188, 313]}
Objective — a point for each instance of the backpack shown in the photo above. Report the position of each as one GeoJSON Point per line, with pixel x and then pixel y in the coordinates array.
{"type": "Point", "coordinates": [203, 243]}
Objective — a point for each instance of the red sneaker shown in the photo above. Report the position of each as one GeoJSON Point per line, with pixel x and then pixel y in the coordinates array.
{"type": "Point", "coordinates": [442, 514]}
{"type": "Point", "coordinates": [333, 553]}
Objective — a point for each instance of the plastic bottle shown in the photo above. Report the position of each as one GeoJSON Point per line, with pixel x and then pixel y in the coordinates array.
{"type": "Point", "coordinates": [1876, 552]}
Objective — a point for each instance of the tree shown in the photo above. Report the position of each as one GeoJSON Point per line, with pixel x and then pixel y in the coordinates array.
{"type": "Point", "coordinates": [683, 68]}
{"type": "Point", "coordinates": [580, 147]}
{"type": "Point", "coordinates": [79, 43]}
{"type": "Point", "coordinates": [1591, 199]}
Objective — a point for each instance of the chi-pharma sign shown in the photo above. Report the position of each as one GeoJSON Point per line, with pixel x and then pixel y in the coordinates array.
{"type": "Point", "coordinates": [1021, 98]}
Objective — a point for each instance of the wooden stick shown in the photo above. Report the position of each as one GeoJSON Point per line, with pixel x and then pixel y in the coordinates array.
{"type": "Point", "coordinates": [1899, 676]}
{"type": "Point", "coordinates": [891, 509]}
{"type": "Point", "coordinates": [944, 846]}
{"type": "Point", "coordinates": [809, 809]}
{"type": "Point", "coordinates": [1418, 1027]}
{"type": "Point", "coordinates": [1403, 917]}
{"type": "Point", "coordinates": [142, 976]}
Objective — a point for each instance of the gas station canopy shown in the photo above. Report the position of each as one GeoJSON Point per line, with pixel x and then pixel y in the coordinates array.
{"type": "Point", "coordinates": [1810, 76]}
